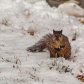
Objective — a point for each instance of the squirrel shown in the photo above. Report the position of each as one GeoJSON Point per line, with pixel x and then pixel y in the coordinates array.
{"type": "Point", "coordinates": [57, 44]}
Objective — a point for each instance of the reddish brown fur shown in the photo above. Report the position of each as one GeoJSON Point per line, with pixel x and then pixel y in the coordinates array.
{"type": "Point", "coordinates": [56, 43]}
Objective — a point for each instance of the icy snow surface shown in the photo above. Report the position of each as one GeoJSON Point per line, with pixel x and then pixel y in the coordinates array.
{"type": "Point", "coordinates": [17, 66]}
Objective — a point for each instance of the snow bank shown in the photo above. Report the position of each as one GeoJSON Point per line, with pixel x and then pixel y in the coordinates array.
{"type": "Point", "coordinates": [72, 9]}
{"type": "Point", "coordinates": [21, 67]}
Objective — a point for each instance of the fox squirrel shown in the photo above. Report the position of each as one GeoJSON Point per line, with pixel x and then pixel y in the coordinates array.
{"type": "Point", "coordinates": [57, 44]}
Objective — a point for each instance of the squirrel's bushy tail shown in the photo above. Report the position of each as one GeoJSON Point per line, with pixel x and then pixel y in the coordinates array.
{"type": "Point", "coordinates": [40, 45]}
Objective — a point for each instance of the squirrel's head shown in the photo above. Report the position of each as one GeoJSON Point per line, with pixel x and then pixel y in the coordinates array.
{"type": "Point", "coordinates": [57, 35]}
{"type": "Point", "coordinates": [57, 40]}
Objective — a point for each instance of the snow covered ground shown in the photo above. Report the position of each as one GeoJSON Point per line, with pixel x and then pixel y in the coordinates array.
{"type": "Point", "coordinates": [17, 66]}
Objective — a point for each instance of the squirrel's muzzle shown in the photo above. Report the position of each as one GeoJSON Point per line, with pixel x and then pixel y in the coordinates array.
{"type": "Point", "coordinates": [59, 48]}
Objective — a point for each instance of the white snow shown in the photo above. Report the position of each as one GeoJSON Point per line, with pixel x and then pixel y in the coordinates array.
{"type": "Point", "coordinates": [17, 66]}
{"type": "Point", "coordinates": [72, 9]}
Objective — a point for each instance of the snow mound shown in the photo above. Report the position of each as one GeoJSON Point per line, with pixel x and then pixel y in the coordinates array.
{"type": "Point", "coordinates": [72, 9]}
{"type": "Point", "coordinates": [22, 67]}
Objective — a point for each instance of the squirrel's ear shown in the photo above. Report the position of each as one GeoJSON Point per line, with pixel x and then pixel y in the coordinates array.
{"type": "Point", "coordinates": [53, 31]}
{"type": "Point", "coordinates": [61, 31]}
